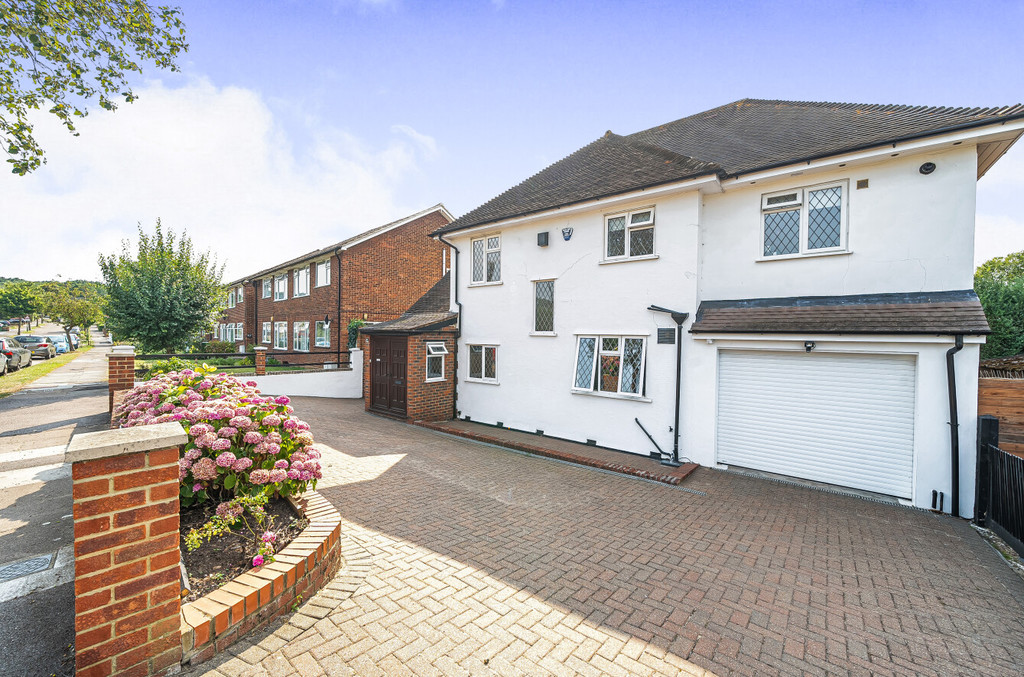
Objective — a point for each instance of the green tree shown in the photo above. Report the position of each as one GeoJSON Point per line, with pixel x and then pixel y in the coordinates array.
{"type": "Point", "coordinates": [62, 54]}
{"type": "Point", "coordinates": [70, 304]}
{"type": "Point", "coordinates": [165, 294]}
{"type": "Point", "coordinates": [18, 299]}
{"type": "Point", "coordinates": [999, 283]}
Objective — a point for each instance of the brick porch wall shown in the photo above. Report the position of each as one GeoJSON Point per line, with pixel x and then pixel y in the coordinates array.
{"type": "Point", "coordinates": [120, 372]}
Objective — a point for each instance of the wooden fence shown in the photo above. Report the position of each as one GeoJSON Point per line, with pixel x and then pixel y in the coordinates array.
{"type": "Point", "coordinates": [1004, 399]}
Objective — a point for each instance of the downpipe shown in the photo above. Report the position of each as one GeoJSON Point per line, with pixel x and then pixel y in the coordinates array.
{"type": "Point", "coordinates": [954, 426]}
{"type": "Point", "coordinates": [458, 325]}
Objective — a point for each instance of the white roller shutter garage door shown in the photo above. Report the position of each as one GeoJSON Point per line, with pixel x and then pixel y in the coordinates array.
{"type": "Point", "coordinates": [844, 419]}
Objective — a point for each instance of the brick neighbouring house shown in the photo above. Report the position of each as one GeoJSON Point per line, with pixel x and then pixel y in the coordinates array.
{"type": "Point", "coordinates": [373, 276]}
{"type": "Point", "coordinates": [409, 368]}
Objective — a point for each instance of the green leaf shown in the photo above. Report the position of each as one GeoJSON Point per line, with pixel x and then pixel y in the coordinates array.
{"type": "Point", "coordinates": [230, 481]}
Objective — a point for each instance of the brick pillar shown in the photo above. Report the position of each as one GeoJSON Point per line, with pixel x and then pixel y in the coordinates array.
{"type": "Point", "coordinates": [261, 361]}
{"type": "Point", "coordinates": [127, 579]}
{"type": "Point", "coordinates": [120, 371]}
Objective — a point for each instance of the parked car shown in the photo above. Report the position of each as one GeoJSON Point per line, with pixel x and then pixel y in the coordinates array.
{"type": "Point", "coordinates": [60, 342]}
{"type": "Point", "coordinates": [41, 346]}
{"type": "Point", "coordinates": [17, 355]}
{"type": "Point", "coordinates": [4, 325]}
{"type": "Point", "coordinates": [3, 364]}
{"type": "Point", "coordinates": [74, 341]}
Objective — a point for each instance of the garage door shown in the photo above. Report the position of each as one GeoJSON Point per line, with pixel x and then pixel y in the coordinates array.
{"type": "Point", "coordinates": [835, 418]}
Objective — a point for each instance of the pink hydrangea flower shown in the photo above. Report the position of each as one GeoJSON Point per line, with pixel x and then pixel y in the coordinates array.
{"type": "Point", "coordinates": [278, 475]}
{"type": "Point", "coordinates": [272, 420]}
{"type": "Point", "coordinates": [252, 437]}
{"type": "Point", "coordinates": [193, 454]}
{"type": "Point", "coordinates": [281, 464]}
{"type": "Point", "coordinates": [227, 431]}
{"type": "Point", "coordinates": [313, 453]}
{"type": "Point", "coordinates": [257, 560]}
{"type": "Point", "coordinates": [304, 438]}
{"type": "Point", "coordinates": [241, 464]}
{"type": "Point", "coordinates": [200, 429]}
{"type": "Point", "coordinates": [290, 424]}
{"type": "Point", "coordinates": [226, 459]}
{"type": "Point", "coordinates": [268, 537]}
{"type": "Point", "coordinates": [293, 474]}
{"type": "Point", "coordinates": [197, 487]}
{"type": "Point", "coordinates": [206, 441]}
{"type": "Point", "coordinates": [283, 399]}
{"type": "Point", "coordinates": [204, 469]}
{"type": "Point", "coordinates": [259, 476]}
{"type": "Point", "coordinates": [251, 384]}
{"type": "Point", "coordinates": [184, 463]}
{"type": "Point", "coordinates": [297, 465]}
{"type": "Point", "coordinates": [274, 437]}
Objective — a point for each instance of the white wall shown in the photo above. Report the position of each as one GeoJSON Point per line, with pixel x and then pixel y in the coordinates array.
{"type": "Point", "coordinates": [334, 383]}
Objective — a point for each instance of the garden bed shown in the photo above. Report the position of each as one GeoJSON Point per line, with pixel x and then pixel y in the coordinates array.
{"type": "Point", "coordinates": [224, 557]}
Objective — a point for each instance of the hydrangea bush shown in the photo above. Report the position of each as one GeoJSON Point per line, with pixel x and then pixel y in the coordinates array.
{"type": "Point", "coordinates": [239, 442]}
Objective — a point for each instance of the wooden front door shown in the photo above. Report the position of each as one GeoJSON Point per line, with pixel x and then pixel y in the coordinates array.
{"type": "Point", "coordinates": [388, 385]}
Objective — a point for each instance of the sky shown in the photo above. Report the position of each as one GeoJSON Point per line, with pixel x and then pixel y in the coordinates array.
{"type": "Point", "coordinates": [295, 124]}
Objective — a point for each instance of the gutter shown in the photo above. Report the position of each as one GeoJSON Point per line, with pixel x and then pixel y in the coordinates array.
{"type": "Point", "coordinates": [458, 323]}
{"type": "Point", "coordinates": [954, 426]}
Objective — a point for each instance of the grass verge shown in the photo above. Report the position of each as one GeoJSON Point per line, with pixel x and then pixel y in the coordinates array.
{"type": "Point", "coordinates": [16, 380]}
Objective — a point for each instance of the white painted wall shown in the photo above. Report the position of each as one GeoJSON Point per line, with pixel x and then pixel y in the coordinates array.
{"type": "Point", "coordinates": [907, 232]}
{"type": "Point", "coordinates": [334, 383]}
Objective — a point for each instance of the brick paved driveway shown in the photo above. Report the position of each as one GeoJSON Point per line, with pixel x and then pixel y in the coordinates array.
{"type": "Point", "coordinates": [482, 561]}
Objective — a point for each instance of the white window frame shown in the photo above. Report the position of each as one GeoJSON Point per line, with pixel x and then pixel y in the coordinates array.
{"type": "Point", "coordinates": [231, 299]}
{"type": "Point", "coordinates": [268, 287]}
{"type": "Point", "coordinates": [323, 273]}
{"type": "Point", "coordinates": [545, 332]}
{"type": "Point", "coordinates": [300, 280]}
{"type": "Point", "coordinates": [435, 350]}
{"type": "Point", "coordinates": [221, 331]}
{"type": "Point", "coordinates": [239, 332]}
{"type": "Point", "coordinates": [801, 202]}
{"type": "Point", "coordinates": [483, 363]}
{"type": "Point", "coordinates": [629, 228]}
{"type": "Point", "coordinates": [281, 291]}
{"type": "Point", "coordinates": [280, 332]}
{"type": "Point", "coordinates": [297, 329]}
{"type": "Point", "coordinates": [229, 332]}
{"type": "Point", "coordinates": [596, 369]}
{"type": "Point", "coordinates": [486, 250]}
{"type": "Point", "coordinates": [268, 333]}
{"type": "Point", "coordinates": [326, 328]}
{"type": "Point", "coordinates": [240, 296]}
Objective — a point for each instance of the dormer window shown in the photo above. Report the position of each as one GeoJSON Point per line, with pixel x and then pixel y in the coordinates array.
{"type": "Point", "coordinates": [629, 235]}
{"type": "Point", "coordinates": [804, 221]}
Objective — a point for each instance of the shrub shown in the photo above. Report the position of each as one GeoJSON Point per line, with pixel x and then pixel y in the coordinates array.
{"type": "Point", "coordinates": [166, 366]}
{"type": "Point", "coordinates": [219, 347]}
{"type": "Point", "coordinates": [239, 442]}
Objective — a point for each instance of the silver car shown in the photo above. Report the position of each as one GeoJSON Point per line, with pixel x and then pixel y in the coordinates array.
{"type": "Point", "coordinates": [17, 356]}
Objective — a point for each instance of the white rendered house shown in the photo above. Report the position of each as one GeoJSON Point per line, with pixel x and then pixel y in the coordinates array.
{"type": "Point", "coordinates": [822, 254]}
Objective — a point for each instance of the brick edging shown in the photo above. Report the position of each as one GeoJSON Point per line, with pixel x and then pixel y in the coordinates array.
{"type": "Point", "coordinates": [253, 599]}
{"type": "Point", "coordinates": [673, 478]}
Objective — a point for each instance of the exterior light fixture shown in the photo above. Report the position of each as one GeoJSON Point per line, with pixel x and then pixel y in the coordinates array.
{"type": "Point", "coordinates": [808, 346]}
{"type": "Point", "coordinates": [327, 321]}
{"type": "Point", "coordinates": [566, 233]}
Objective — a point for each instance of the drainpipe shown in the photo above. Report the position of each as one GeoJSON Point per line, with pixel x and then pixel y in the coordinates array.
{"type": "Point", "coordinates": [678, 318]}
{"type": "Point", "coordinates": [337, 276]}
{"type": "Point", "coordinates": [458, 324]}
{"type": "Point", "coordinates": [954, 425]}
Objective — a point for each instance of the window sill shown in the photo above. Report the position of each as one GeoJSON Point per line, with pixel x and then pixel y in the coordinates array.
{"type": "Point", "coordinates": [300, 296]}
{"type": "Point", "coordinates": [485, 284]}
{"type": "Point", "coordinates": [284, 299]}
{"type": "Point", "coordinates": [434, 380]}
{"type": "Point", "coordinates": [543, 333]}
{"type": "Point", "coordinates": [483, 381]}
{"type": "Point", "coordinates": [810, 255]}
{"type": "Point", "coordinates": [321, 346]}
{"type": "Point", "coordinates": [629, 259]}
{"type": "Point", "coordinates": [612, 396]}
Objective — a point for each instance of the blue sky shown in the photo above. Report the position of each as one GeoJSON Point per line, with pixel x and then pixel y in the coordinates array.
{"type": "Point", "coordinates": [296, 124]}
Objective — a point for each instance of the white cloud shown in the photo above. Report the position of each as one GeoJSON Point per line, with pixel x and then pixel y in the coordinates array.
{"type": "Point", "coordinates": [213, 160]}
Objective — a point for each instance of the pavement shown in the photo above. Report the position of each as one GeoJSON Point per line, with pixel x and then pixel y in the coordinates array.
{"type": "Point", "coordinates": [474, 560]}
{"type": "Point", "coordinates": [36, 531]}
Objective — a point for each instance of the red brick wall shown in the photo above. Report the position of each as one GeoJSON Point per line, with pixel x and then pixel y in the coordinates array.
{"type": "Point", "coordinates": [127, 608]}
{"type": "Point", "coordinates": [120, 374]}
{"type": "Point", "coordinates": [424, 401]}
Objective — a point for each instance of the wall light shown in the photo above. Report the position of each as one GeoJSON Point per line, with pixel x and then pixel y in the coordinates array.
{"type": "Point", "coordinates": [808, 346]}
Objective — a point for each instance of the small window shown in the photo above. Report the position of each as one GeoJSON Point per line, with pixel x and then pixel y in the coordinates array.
{"type": "Point", "coordinates": [487, 259]}
{"type": "Point", "coordinates": [435, 361]}
{"type": "Point", "coordinates": [229, 332]}
{"type": "Point", "coordinates": [281, 287]}
{"type": "Point", "coordinates": [322, 338]}
{"type": "Point", "coordinates": [268, 287]}
{"type": "Point", "coordinates": [629, 235]}
{"type": "Point", "coordinates": [231, 299]}
{"type": "Point", "coordinates": [544, 306]}
{"type": "Point", "coordinates": [239, 332]}
{"type": "Point", "coordinates": [280, 336]}
{"type": "Point", "coordinates": [240, 296]}
{"type": "Point", "coordinates": [803, 221]}
{"type": "Point", "coordinates": [265, 338]}
{"type": "Point", "coordinates": [483, 363]}
{"type": "Point", "coordinates": [301, 286]}
{"type": "Point", "coordinates": [610, 364]}
{"type": "Point", "coordinates": [323, 273]}
{"type": "Point", "coordinates": [300, 337]}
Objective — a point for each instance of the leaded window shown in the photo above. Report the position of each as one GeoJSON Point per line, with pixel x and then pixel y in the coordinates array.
{"type": "Point", "coordinates": [322, 337]}
{"type": "Point", "coordinates": [804, 221]}
{"type": "Point", "coordinates": [629, 235]}
{"type": "Point", "coordinates": [610, 364]}
{"type": "Point", "coordinates": [281, 336]}
{"type": "Point", "coordinates": [487, 259]}
{"type": "Point", "coordinates": [544, 305]}
{"type": "Point", "coordinates": [300, 335]}
{"type": "Point", "coordinates": [435, 361]}
{"type": "Point", "coordinates": [268, 287]}
{"type": "Point", "coordinates": [483, 363]}
{"type": "Point", "coordinates": [301, 283]}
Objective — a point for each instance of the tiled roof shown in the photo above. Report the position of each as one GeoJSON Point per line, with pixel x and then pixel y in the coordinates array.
{"type": "Point", "coordinates": [428, 313]}
{"type": "Point", "coordinates": [951, 312]}
{"type": "Point", "coordinates": [738, 138]}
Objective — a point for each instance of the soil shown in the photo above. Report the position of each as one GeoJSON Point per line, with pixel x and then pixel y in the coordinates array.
{"type": "Point", "coordinates": [218, 561]}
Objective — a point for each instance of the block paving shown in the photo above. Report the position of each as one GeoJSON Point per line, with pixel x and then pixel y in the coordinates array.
{"type": "Point", "coordinates": [463, 559]}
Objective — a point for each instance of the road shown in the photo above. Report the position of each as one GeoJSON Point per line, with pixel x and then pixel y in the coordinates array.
{"type": "Point", "coordinates": [36, 533]}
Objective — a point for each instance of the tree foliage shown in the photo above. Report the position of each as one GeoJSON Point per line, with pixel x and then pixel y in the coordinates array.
{"type": "Point", "coordinates": [18, 299]}
{"type": "Point", "coordinates": [71, 304]}
{"type": "Point", "coordinates": [164, 295]}
{"type": "Point", "coordinates": [999, 283]}
{"type": "Point", "coordinates": [62, 54]}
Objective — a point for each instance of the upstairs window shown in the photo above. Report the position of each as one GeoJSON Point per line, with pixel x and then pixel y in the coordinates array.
{"type": "Point", "coordinates": [323, 273]}
{"type": "Point", "coordinates": [435, 361]}
{"type": "Point", "coordinates": [487, 259]}
{"type": "Point", "coordinates": [300, 337]}
{"type": "Point", "coordinates": [268, 287]}
{"type": "Point", "coordinates": [629, 235]}
{"type": "Point", "coordinates": [280, 336]}
{"type": "Point", "coordinates": [610, 364]}
{"type": "Point", "coordinates": [301, 286]}
{"type": "Point", "coordinates": [323, 335]}
{"type": "Point", "coordinates": [544, 306]}
{"type": "Point", "coordinates": [240, 296]}
{"type": "Point", "coordinates": [804, 221]}
{"type": "Point", "coordinates": [231, 299]}
{"type": "Point", "coordinates": [483, 363]}
{"type": "Point", "coordinates": [281, 287]}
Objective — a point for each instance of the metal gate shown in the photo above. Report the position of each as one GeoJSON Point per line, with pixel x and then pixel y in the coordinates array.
{"type": "Point", "coordinates": [999, 497]}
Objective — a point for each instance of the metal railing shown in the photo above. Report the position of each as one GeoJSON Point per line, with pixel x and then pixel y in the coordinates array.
{"type": "Point", "coordinates": [247, 361]}
{"type": "Point", "coordinates": [999, 497]}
